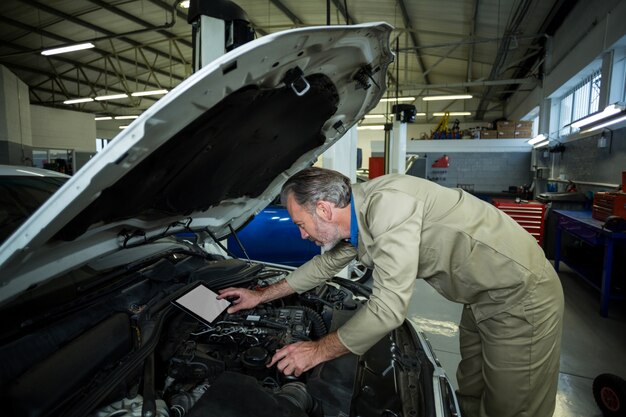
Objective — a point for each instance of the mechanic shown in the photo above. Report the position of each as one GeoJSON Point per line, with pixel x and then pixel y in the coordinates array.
{"type": "Point", "coordinates": [405, 227]}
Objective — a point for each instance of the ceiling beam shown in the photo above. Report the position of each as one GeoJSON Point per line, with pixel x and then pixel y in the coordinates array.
{"type": "Point", "coordinates": [517, 17]}
{"type": "Point", "coordinates": [139, 21]}
{"type": "Point", "coordinates": [99, 51]}
{"type": "Point", "coordinates": [96, 28]}
{"type": "Point", "coordinates": [280, 6]}
{"type": "Point", "coordinates": [414, 40]}
{"type": "Point", "coordinates": [486, 83]}
{"type": "Point", "coordinates": [470, 53]}
{"type": "Point", "coordinates": [344, 12]}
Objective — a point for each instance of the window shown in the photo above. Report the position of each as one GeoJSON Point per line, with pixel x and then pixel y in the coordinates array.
{"type": "Point", "coordinates": [579, 102]}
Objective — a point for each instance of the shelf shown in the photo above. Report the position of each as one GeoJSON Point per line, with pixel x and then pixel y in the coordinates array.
{"type": "Point", "coordinates": [460, 145]}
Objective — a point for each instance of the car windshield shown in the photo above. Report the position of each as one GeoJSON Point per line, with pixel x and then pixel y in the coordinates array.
{"type": "Point", "coordinates": [20, 196]}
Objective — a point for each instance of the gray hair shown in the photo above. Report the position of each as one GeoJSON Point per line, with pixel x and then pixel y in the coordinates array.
{"type": "Point", "coordinates": [314, 184]}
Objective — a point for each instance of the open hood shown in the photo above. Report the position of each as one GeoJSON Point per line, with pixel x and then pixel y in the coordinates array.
{"type": "Point", "coordinates": [210, 154]}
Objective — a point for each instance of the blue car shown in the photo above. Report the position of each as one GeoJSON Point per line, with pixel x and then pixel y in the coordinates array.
{"type": "Point", "coordinates": [272, 237]}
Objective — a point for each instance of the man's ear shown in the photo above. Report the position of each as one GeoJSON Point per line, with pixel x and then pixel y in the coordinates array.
{"type": "Point", "coordinates": [324, 210]}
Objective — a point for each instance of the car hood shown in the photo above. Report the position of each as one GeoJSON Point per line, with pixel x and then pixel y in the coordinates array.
{"type": "Point", "coordinates": [210, 154]}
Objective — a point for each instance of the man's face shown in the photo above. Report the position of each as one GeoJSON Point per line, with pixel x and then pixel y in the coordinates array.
{"type": "Point", "coordinates": [313, 227]}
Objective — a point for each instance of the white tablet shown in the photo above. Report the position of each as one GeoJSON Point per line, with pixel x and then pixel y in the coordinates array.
{"type": "Point", "coordinates": [201, 303]}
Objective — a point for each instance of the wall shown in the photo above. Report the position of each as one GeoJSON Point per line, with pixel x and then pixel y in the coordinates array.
{"type": "Point", "coordinates": [482, 172]}
{"type": "Point", "coordinates": [15, 120]}
{"type": "Point", "coordinates": [584, 161]}
{"type": "Point", "coordinates": [64, 129]}
{"type": "Point", "coordinates": [487, 169]}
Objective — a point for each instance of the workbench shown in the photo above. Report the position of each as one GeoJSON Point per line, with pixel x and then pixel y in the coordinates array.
{"type": "Point", "coordinates": [582, 226]}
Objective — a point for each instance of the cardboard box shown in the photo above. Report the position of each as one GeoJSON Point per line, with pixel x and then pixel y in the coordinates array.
{"type": "Point", "coordinates": [505, 125]}
{"type": "Point", "coordinates": [523, 134]}
{"type": "Point", "coordinates": [506, 134]}
{"type": "Point", "coordinates": [524, 125]}
{"type": "Point", "coordinates": [488, 134]}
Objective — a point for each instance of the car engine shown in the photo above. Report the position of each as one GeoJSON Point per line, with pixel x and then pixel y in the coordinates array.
{"type": "Point", "coordinates": [223, 366]}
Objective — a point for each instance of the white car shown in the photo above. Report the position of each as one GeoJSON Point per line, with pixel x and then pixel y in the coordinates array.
{"type": "Point", "coordinates": [22, 191]}
{"type": "Point", "coordinates": [87, 282]}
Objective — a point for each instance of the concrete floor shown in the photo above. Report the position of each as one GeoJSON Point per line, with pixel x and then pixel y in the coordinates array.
{"type": "Point", "coordinates": [591, 344]}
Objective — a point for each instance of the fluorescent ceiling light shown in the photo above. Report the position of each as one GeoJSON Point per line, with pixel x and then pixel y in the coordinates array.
{"type": "Point", "coordinates": [371, 127]}
{"type": "Point", "coordinates": [149, 93]}
{"type": "Point", "coordinates": [65, 49]}
{"type": "Point", "coordinates": [448, 97]}
{"type": "Point", "coordinates": [542, 144]}
{"type": "Point", "coordinates": [111, 97]}
{"type": "Point", "coordinates": [420, 114]}
{"type": "Point", "coordinates": [104, 118]}
{"type": "Point", "coordinates": [398, 99]}
{"type": "Point", "coordinates": [605, 124]}
{"type": "Point", "coordinates": [78, 100]}
{"type": "Point", "coordinates": [184, 4]}
{"type": "Point", "coordinates": [536, 139]}
{"type": "Point", "coordinates": [125, 117]}
{"type": "Point", "coordinates": [373, 116]}
{"type": "Point", "coordinates": [123, 127]}
{"type": "Point", "coordinates": [453, 113]}
{"type": "Point", "coordinates": [607, 112]}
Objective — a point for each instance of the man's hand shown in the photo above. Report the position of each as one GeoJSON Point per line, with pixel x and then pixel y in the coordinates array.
{"type": "Point", "coordinates": [296, 358]}
{"type": "Point", "coordinates": [241, 298]}
{"type": "Point", "coordinates": [301, 356]}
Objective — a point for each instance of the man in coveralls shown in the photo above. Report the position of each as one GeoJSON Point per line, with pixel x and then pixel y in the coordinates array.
{"type": "Point", "coordinates": [403, 228]}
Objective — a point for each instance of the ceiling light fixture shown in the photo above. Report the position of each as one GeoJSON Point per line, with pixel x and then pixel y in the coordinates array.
{"type": "Point", "coordinates": [601, 115]}
{"type": "Point", "coordinates": [103, 118]}
{"type": "Point", "coordinates": [78, 100]}
{"type": "Point", "coordinates": [397, 99]}
{"type": "Point", "coordinates": [184, 4]}
{"type": "Point", "coordinates": [542, 144]}
{"type": "Point", "coordinates": [453, 113]}
{"type": "Point", "coordinates": [125, 117]}
{"type": "Point", "coordinates": [448, 97]}
{"type": "Point", "coordinates": [123, 127]}
{"type": "Point", "coordinates": [111, 97]}
{"type": "Point", "coordinates": [371, 127]}
{"type": "Point", "coordinates": [373, 116]}
{"type": "Point", "coordinates": [539, 138]}
{"type": "Point", "coordinates": [149, 93]}
{"type": "Point", "coordinates": [64, 49]}
{"type": "Point", "coordinates": [605, 124]}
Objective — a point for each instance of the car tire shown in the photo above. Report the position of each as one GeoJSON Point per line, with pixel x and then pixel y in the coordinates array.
{"type": "Point", "coordinates": [609, 392]}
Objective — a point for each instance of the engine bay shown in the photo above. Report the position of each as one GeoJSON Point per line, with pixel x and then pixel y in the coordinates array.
{"type": "Point", "coordinates": [145, 357]}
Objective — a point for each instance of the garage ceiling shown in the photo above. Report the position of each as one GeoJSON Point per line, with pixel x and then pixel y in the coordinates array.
{"type": "Point", "coordinates": [487, 48]}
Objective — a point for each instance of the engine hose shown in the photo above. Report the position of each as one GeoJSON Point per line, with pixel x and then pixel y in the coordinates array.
{"type": "Point", "coordinates": [297, 394]}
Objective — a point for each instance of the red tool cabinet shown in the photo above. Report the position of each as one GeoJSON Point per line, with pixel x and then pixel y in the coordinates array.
{"type": "Point", "coordinates": [528, 214]}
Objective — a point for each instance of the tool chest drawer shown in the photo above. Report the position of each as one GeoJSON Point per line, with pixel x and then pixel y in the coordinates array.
{"type": "Point", "coordinates": [528, 214]}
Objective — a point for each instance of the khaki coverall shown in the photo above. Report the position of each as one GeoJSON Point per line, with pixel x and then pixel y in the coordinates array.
{"type": "Point", "coordinates": [471, 253]}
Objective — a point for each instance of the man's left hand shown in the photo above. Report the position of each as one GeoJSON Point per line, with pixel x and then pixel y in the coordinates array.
{"type": "Point", "coordinates": [301, 356]}
{"type": "Point", "coordinates": [296, 358]}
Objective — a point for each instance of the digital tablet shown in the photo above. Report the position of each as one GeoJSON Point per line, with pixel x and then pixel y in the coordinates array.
{"type": "Point", "coordinates": [201, 303]}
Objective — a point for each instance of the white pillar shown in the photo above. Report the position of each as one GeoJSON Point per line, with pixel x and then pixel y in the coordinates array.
{"type": "Point", "coordinates": [210, 42]}
{"type": "Point", "coordinates": [397, 159]}
{"type": "Point", "coordinates": [341, 156]}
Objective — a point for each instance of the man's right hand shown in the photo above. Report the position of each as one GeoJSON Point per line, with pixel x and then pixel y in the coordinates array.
{"type": "Point", "coordinates": [240, 298]}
